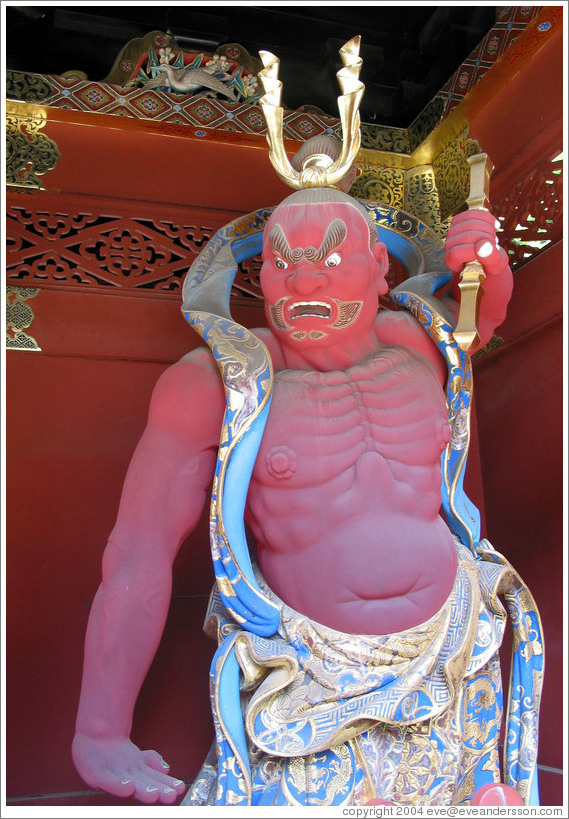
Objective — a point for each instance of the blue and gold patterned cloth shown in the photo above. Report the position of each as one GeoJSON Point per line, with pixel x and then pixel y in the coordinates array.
{"type": "Point", "coordinates": [338, 719]}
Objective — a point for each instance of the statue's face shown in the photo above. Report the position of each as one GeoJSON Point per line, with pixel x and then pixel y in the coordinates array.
{"type": "Point", "coordinates": [320, 279]}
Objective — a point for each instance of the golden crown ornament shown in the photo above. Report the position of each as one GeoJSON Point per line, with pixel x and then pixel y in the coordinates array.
{"type": "Point", "coordinates": [318, 170]}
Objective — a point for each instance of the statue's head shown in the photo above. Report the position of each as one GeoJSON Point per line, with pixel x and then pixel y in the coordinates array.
{"type": "Point", "coordinates": [323, 269]}
{"type": "Point", "coordinates": [323, 266]}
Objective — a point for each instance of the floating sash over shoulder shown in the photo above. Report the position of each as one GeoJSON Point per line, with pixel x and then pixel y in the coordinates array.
{"type": "Point", "coordinates": [247, 375]}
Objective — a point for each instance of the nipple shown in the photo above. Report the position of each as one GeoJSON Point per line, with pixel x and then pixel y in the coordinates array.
{"type": "Point", "coordinates": [281, 462]}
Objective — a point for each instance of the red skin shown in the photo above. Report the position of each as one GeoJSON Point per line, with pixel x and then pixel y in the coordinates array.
{"type": "Point", "coordinates": [496, 794]}
{"type": "Point", "coordinates": [345, 494]}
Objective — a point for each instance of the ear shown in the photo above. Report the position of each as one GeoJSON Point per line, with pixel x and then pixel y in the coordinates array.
{"type": "Point", "coordinates": [382, 258]}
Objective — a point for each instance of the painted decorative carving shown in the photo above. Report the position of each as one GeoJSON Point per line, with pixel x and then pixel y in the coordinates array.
{"type": "Point", "coordinates": [29, 152]}
{"type": "Point", "coordinates": [532, 212]}
{"type": "Point", "coordinates": [157, 61]}
{"type": "Point", "coordinates": [99, 249]}
{"type": "Point", "coordinates": [19, 318]}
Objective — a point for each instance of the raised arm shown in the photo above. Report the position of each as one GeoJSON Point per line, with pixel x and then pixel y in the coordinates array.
{"type": "Point", "coordinates": [472, 236]}
{"type": "Point", "coordinates": [162, 500]}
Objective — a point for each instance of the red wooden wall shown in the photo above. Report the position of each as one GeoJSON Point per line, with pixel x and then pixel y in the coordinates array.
{"type": "Point", "coordinates": [74, 413]}
{"type": "Point", "coordinates": [519, 398]}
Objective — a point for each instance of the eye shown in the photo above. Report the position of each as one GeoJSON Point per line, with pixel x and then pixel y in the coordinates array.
{"type": "Point", "coordinates": [282, 265]}
{"type": "Point", "coordinates": [333, 260]}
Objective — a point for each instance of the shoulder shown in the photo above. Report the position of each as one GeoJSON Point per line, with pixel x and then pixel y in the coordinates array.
{"type": "Point", "coordinates": [195, 371]}
{"type": "Point", "coordinates": [397, 328]}
{"type": "Point", "coordinates": [189, 398]}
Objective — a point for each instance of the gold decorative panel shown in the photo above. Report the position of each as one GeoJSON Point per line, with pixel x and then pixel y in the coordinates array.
{"type": "Point", "coordinates": [380, 184]}
{"type": "Point", "coordinates": [452, 173]}
{"type": "Point", "coordinates": [27, 87]}
{"type": "Point", "coordinates": [29, 153]}
{"type": "Point", "coordinates": [19, 317]}
{"type": "Point", "coordinates": [432, 183]}
{"type": "Point", "coordinates": [421, 195]}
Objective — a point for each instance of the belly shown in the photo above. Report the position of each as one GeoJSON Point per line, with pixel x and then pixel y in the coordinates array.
{"type": "Point", "coordinates": [355, 563]}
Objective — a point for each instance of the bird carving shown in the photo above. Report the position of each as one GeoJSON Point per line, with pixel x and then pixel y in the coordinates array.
{"type": "Point", "coordinates": [188, 80]}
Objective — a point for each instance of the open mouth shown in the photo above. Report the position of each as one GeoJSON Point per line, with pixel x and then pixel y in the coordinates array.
{"type": "Point", "coordinates": [312, 309]}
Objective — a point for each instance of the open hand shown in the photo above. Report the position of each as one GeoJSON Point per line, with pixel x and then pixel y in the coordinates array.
{"type": "Point", "coordinates": [122, 769]}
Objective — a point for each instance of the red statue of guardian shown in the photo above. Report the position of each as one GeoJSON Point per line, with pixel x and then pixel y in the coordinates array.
{"type": "Point", "coordinates": [359, 626]}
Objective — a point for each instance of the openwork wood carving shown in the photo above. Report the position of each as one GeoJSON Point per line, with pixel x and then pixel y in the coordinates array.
{"type": "Point", "coordinates": [91, 248]}
{"type": "Point", "coordinates": [532, 212]}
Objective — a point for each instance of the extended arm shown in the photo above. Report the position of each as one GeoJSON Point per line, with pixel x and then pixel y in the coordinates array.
{"type": "Point", "coordinates": [163, 496]}
{"type": "Point", "coordinates": [472, 236]}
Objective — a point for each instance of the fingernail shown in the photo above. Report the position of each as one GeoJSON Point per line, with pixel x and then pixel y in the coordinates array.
{"type": "Point", "coordinates": [177, 782]}
{"type": "Point", "coordinates": [167, 789]}
{"type": "Point", "coordinates": [164, 764]}
{"type": "Point", "coordinates": [126, 782]}
{"type": "Point", "coordinates": [485, 250]}
{"type": "Point", "coordinates": [150, 789]}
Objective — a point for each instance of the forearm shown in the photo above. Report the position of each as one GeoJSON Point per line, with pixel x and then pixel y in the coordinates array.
{"type": "Point", "coordinates": [125, 627]}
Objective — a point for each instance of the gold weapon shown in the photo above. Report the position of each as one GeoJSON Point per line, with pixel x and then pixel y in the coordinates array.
{"type": "Point", "coordinates": [319, 170]}
{"type": "Point", "coordinates": [472, 276]}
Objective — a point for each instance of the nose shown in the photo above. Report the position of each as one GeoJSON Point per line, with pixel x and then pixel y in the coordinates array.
{"type": "Point", "coordinates": [306, 279]}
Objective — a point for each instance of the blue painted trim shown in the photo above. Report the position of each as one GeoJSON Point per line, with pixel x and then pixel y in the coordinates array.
{"type": "Point", "coordinates": [233, 756]}
{"type": "Point", "coordinates": [262, 616]}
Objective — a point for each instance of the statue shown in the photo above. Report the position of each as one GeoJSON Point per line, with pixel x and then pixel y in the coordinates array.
{"type": "Point", "coordinates": [358, 629]}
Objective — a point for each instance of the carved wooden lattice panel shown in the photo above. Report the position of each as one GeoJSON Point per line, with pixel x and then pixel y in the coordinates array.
{"type": "Point", "coordinates": [531, 215]}
{"type": "Point", "coordinates": [58, 245]}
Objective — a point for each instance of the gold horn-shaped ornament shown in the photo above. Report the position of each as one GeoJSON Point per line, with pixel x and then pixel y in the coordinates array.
{"type": "Point", "coordinates": [472, 276]}
{"type": "Point", "coordinates": [317, 171]}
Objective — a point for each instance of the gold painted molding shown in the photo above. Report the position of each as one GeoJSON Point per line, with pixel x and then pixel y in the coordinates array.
{"type": "Point", "coordinates": [431, 183]}
{"type": "Point", "coordinates": [29, 153]}
{"type": "Point", "coordinates": [19, 317]}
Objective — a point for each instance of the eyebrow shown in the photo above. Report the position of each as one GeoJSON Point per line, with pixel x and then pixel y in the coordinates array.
{"type": "Point", "coordinates": [333, 238]}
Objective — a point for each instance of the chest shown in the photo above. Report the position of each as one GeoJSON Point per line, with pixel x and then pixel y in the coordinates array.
{"type": "Point", "coordinates": [322, 423]}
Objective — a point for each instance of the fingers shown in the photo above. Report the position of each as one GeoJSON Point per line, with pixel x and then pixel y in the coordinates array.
{"type": "Point", "coordinates": [471, 237]}
{"type": "Point", "coordinates": [158, 764]}
{"type": "Point", "coordinates": [115, 785]}
{"type": "Point", "coordinates": [148, 788]}
{"type": "Point", "coordinates": [484, 249]}
{"type": "Point", "coordinates": [121, 769]}
{"type": "Point", "coordinates": [149, 791]}
{"type": "Point", "coordinates": [144, 783]}
{"type": "Point", "coordinates": [154, 760]}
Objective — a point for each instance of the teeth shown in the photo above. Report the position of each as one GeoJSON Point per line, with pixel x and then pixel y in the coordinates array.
{"type": "Point", "coordinates": [315, 309]}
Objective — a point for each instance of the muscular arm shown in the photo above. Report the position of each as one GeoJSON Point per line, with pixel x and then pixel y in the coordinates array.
{"type": "Point", "coordinates": [163, 496]}
{"type": "Point", "coordinates": [472, 236]}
